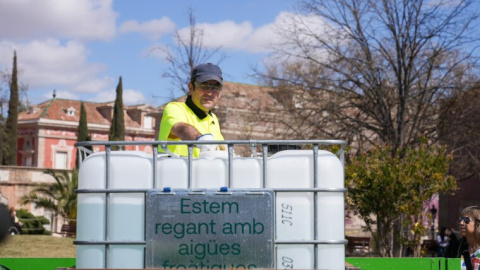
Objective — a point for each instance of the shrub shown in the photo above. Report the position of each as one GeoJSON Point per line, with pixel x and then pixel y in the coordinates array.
{"type": "Point", "coordinates": [32, 224]}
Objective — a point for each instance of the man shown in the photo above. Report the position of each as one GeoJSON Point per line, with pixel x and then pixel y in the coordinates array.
{"type": "Point", "coordinates": [193, 120]}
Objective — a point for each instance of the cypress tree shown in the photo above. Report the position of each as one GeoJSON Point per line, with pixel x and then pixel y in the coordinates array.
{"type": "Point", "coordinates": [82, 124]}
{"type": "Point", "coordinates": [117, 127]}
{"type": "Point", "coordinates": [10, 142]}
{"type": "Point", "coordinates": [82, 130]}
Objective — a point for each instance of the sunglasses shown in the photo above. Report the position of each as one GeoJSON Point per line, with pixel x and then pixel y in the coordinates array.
{"type": "Point", "coordinates": [205, 87]}
{"type": "Point", "coordinates": [466, 219]}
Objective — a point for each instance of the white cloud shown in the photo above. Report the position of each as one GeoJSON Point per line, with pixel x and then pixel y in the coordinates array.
{"type": "Point", "coordinates": [51, 63]}
{"type": "Point", "coordinates": [86, 20]}
{"type": "Point", "coordinates": [95, 85]}
{"type": "Point", "coordinates": [238, 37]}
{"type": "Point", "coordinates": [228, 34]}
{"type": "Point", "coordinates": [261, 39]}
{"type": "Point", "coordinates": [288, 28]}
{"type": "Point", "coordinates": [130, 97]}
{"type": "Point", "coordinates": [153, 29]}
{"type": "Point", "coordinates": [104, 96]}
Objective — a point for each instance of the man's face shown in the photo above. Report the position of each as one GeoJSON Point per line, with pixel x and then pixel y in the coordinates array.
{"type": "Point", "coordinates": [205, 95]}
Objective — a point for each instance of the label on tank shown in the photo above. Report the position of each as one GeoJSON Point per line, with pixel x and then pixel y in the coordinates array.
{"type": "Point", "coordinates": [210, 229]}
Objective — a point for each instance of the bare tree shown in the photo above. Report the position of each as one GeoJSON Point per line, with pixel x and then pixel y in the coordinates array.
{"type": "Point", "coordinates": [373, 72]}
{"type": "Point", "coordinates": [4, 91]}
{"type": "Point", "coordinates": [459, 130]}
{"type": "Point", "coordinates": [5, 78]}
{"type": "Point", "coordinates": [188, 53]}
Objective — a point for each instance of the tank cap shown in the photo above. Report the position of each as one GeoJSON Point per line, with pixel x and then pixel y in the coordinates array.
{"type": "Point", "coordinates": [167, 189]}
{"type": "Point", "coordinates": [223, 189]}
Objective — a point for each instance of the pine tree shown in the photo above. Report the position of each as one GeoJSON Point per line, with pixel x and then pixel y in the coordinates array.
{"type": "Point", "coordinates": [82, 130]}
{"type": "Point", "coordinates": [117, 127]}
{"type": "Point", "coordinates": [9, 148]}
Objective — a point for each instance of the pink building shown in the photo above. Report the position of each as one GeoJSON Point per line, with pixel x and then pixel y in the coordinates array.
{"type": "Point", "coordinates": [47, 132]}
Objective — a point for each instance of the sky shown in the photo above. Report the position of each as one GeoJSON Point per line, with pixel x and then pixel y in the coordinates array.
{"type": "Point", "coordinates": [80, 48]}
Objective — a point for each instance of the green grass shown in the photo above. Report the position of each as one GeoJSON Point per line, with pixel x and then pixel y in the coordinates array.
{"type": "Point", "coordinates": [37, 246]}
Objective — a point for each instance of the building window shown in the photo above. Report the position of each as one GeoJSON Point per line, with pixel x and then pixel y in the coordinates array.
{"type": "Point", "coordinates": [61, 160]}
{"type": "Point", "coordinates": [71, 111]}
{"type": "Point", "coordinates": [27, 152]}
{"type": "Point", "coordinates": [147, 122]}
{"type": "Point", "coordinates": [27, 161]}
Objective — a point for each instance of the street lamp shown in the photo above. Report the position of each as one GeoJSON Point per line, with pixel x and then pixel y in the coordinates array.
{"type": "Point", "coordinates": [433, 211]}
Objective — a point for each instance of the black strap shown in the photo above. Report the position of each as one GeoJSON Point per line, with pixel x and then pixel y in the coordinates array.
{"type": "Point", "coordinates": [468, 261]}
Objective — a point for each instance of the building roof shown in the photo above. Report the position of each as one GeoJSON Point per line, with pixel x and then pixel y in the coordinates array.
{"type": "Point", "coordinates": [69, 110]}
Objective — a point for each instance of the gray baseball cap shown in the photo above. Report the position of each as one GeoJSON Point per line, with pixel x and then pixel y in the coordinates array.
{"type": "Point", "coordinates": [207, 72]}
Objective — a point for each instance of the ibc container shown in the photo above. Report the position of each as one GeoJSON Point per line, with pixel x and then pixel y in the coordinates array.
{"type": "Point", "coordinates": [294, 169]}
{"type": "Point", "coordinates": [91, 212]}
{"type": "Point", "coordinates": [294, 210]}
{"type": "Point", "coordinates": [125, 218]}
{"type": "Point", "coordinates": [330, 211]}
{"type": "Point", "coordinates": [301, 216]}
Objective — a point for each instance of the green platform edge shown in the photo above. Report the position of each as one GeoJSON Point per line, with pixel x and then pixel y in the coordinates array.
{"type": "Point", "coordinates": [363, 263]}
{"type": "Point", "coordinates": [37, 263]}
{"type": "Point", "coordinates": [405, 263]}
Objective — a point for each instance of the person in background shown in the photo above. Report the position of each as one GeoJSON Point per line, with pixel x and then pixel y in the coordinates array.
{"type": "Point", "coordinates": [470, 243]}
{"type": "Point", "coordinates": [193, 119]}
{"type": "Point", "coordinates": [16, 225]}
{"type": "Point", "coordinates": [452, 247]}
{"type": "Point", "coordinates": [442, 241]}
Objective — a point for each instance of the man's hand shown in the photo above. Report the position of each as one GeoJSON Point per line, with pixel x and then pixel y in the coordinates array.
{"type": "Point", "coordinates": [207, 147]}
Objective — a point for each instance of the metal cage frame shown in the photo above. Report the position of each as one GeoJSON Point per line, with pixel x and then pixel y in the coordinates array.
{"type": "Point", "coordinates": [312, 144]}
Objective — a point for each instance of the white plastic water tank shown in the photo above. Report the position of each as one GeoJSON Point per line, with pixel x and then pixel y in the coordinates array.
{"type": "Point", "coordinates": [330, 211]}
{"type": "Point", "coordinates": [91, 213]}
{"type": "Point", "coordinates": [294, 211]}
{"type": "Point", "coordinates": [126, 213]}
{"type": "Point", "coordinates": [126, 220]}
{"type": "Point", "coordinates": [290, 169]}
{"type": "Point", "coordinates": [209, 172]}
{"type": "Point", "coordinates": [172, 172]}
{"type": "Point", "coordinates": [247, 173]}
